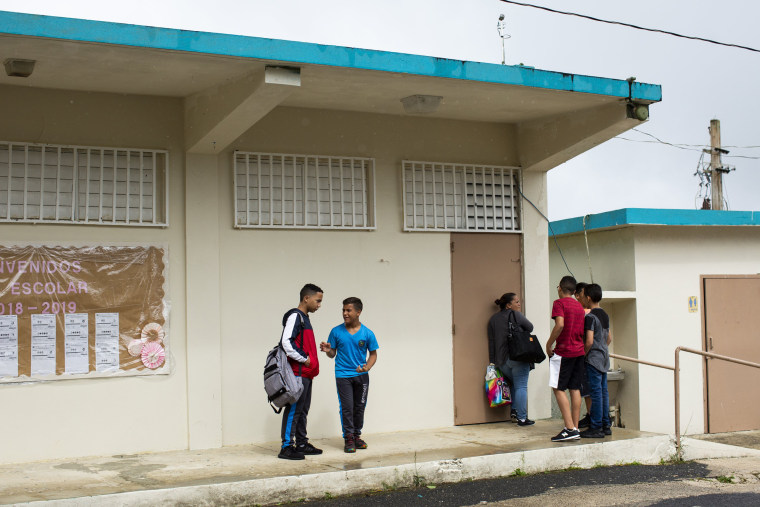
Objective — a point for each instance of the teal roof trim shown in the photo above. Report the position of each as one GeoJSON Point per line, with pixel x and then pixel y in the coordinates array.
{"type": "Point", "coordinates": [32, 25]}
{"type": "Point", "coordinates": [646, 216]}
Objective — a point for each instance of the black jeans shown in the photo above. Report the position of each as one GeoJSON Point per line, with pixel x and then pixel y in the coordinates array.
{"type": "Point", "coordinates": [294, 417]}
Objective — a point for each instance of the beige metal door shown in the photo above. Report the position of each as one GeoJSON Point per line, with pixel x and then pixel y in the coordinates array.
{"type": "Point", "coordinates": [733, 390]}
{"type": "Point", "coordinates": [483, 267]}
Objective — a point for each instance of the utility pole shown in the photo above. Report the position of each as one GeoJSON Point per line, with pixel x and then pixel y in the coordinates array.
{"type": "Point", "coordinates": [716, 169]}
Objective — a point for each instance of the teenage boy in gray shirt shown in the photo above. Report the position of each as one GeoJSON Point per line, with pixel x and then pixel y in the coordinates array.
{"type": "Point", "coordinates": [597, 328]}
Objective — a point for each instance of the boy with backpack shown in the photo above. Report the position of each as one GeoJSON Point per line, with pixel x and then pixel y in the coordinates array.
{"type": "Point", "coordinates": [597, 328]}
{"type": "Point", "coordinates": [298, 342]}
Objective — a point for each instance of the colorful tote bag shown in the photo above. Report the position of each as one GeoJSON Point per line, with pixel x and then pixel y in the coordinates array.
{"type": "Point", "coordinates": [497, 388]}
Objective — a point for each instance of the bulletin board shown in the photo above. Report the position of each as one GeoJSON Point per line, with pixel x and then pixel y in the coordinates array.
{"type": "Point", "coordinates": [74, 311]}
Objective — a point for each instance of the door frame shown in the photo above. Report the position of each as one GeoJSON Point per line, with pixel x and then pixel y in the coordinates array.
{"type": "Point", "coordinates": [703, 324]}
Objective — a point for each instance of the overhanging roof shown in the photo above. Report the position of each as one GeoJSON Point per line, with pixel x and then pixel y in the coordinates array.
{"type": "Point", "coordinates": [644, 216]}
{"type": "Point", "coordinates": [74, 54]}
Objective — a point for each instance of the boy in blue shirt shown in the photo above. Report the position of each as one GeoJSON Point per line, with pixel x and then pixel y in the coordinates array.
{"type": "Point", "coordinates": [350, 343]}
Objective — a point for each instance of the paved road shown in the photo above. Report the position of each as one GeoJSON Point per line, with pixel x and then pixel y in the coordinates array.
{"type": "Point", "coordinates": [683, 484]}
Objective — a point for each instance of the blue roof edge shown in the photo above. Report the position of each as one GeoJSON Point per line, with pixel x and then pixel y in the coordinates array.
{"type": "Point", "coordinates": [647, 216]}
{"type": "Point", "coordinates": [35, 25]}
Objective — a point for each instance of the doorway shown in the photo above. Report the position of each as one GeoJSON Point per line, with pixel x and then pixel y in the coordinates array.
{"type": "Point", "coordinates": [483, 267]}
{"type": "Point", "coordinates": [732, 390]}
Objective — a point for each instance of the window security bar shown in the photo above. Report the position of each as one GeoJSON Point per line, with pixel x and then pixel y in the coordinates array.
{"type": "Point", "coordinates": [274, 190]}
{"type": "Point", "coordinates": [460, 197]}
{"type": "Point", "coordinates": [45, 183]}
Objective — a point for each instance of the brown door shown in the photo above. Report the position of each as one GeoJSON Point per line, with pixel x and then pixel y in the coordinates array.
{"type": "Point", "coordinates": [733, 390]}
{"type": "Point", "coordinates": [483, 267]}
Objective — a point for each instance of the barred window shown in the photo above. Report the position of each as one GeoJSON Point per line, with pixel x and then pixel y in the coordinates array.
{"type": "Point", "coordinates": [46, 183]}
{"type": "Point", "coordinates": [274, 190]}
{"type": "Point", "coordinates": [460, 197]}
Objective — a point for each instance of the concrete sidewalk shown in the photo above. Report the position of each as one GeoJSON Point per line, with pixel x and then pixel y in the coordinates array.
{"type": "Point", "coordinates": [253, 474]}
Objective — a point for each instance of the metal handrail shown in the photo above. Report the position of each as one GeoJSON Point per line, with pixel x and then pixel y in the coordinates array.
{"type": "Point", "coordinates": [677, 381]}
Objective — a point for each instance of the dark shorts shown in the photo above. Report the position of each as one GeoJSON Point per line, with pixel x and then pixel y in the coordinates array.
{"type": "Point", "coordinates": [566, 372]}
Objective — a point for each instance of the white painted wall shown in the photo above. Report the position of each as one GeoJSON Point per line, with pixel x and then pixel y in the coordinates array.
{"type": "Point", "coordinates": [665, 264]}
{"type": "Point", "coordinates": [99, 416]}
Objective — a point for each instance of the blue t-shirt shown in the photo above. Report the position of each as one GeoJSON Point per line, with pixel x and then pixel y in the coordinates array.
{"type": "Point", "coordinates": [351, 349]}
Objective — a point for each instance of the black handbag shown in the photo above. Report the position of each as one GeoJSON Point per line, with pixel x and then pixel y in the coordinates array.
{"type": "Point", "coordinates": [523, 346]}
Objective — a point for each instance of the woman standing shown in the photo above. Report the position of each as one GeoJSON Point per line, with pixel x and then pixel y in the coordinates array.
{"type": "Point", "coordinates": [498, 352]}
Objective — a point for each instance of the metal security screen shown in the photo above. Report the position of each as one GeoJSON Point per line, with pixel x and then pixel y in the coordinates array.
{"type": "Point", "coordinates": [76, 184]}
{"type": "Point", "coordinates": [275, 190]}
{"type": "Point", "coordinates": [458, 197]}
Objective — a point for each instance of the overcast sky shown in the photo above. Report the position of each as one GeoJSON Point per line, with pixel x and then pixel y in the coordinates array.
{"type": "Point", "coordinates": [700, 81]}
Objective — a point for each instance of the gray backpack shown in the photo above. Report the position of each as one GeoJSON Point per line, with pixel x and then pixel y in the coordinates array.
{"type": "Point", "coordinates": [283, 387]}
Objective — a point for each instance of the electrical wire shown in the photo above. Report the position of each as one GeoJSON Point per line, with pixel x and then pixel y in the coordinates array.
{"type": "Point", "coordinates": [550, 229]}
{"type": "Point", "coordinates": [684, 146]}
{"type": "Point", "coordinates": [629, 25]}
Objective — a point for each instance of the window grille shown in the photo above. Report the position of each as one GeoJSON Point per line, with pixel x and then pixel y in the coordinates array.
{"type": "Point", "coordinates": [275, 190]}
{"type": "Point", "coordinates": [460, 197]}
{"type": "Point", "coordinates": [46, 183]}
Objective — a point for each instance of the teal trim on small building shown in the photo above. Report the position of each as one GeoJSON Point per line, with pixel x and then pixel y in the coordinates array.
{"type": "Point", "coordinates": [647, 216]}
{"type": "Point", "coordinates": [289, 52]}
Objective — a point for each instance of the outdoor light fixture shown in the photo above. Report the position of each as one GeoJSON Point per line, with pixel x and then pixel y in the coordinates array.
{"type": "Point", "coordinates": [637, 111]}
{"type": "Point", "coordinates": [421, 104]}
{"type": "Point", "coordinates": [17, 67]}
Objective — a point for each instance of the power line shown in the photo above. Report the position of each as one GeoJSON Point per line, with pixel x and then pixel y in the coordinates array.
{"type": "Point", "coordinates": [683, 146]}
{"type": "Point", "coordinates": [629, 25]}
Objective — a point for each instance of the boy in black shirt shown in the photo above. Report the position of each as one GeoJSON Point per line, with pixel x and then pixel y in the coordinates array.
{"type": "Point", "coordinates": [598, 338]}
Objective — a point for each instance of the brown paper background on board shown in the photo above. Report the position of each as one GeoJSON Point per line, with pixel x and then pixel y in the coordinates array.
{"type": "Point", "coordinates": [128, 280]}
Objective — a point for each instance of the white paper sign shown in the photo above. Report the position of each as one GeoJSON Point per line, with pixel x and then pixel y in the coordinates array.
{"type": "Point", "coordinates": [8, 346]}
{"type": "Point", "coordinates": [77, 335]}
{"type": "Point", "coordinates": [106, 341]}
{"type": "Point", "coordinates": [43, 344]}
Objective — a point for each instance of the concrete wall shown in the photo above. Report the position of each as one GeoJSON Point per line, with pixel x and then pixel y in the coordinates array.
{"type": "Point", "coordinates": [407, 295]}
{"type": "Point", "coordinates": [99, 416]}
{"type": "Point", "coordinates": [669, 262]}
{"type": "Point", "coordinates": [663, 265]}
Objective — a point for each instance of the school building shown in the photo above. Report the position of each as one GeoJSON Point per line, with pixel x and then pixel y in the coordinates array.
{"type": "Point", "coordinates": [201, 179]}
{"type": "Point", "coordinates": [673, 278]}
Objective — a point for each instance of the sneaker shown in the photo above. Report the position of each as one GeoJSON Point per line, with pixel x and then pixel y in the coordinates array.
{"type": "Point", "coordinates": [585, 422]}
{"type": "Point", "coordinates": [308, 449]}
{"type": "Point", "coordinates": [566, 434]}
{"type": "Point", "coordinates": [513, 416]}
{"type": "Point", "coordinates": [525, 422]}
{"type": "Point", "coordinates": [607, 430]}
{"type": "Point", "coordinates": [290, 452]}
{"type": "Point", "coordinates": [359, 443]}
{"type": "Point", "coordinates": [350, 445]}
{"type": "Point", "coordinates": [592, 433]}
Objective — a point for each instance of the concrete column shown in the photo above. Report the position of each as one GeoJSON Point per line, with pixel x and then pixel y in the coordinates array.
{"type": "Point", "coordinates": [536, 271]}
{"type": "Point", "coordinates": [204, 365]}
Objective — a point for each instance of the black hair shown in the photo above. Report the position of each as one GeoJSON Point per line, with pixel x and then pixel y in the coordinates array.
{"type": "Point", "coordinates": [579, 287]}
{"type": "Point", "coordinates": [355, 302]}
{"type": "Point", "coordinates": [309, 290]}
{"type": "Point", "coordinates": [505, 299]}
{"type": "Point", "coordinates": [567, 285]}
{"type": "Point", "coordinates": [594, 292]}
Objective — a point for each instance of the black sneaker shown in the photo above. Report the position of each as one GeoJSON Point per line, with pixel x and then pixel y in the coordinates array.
{"type": "Point", "coordinates": [592, 433]}
{"type": "Point", "coordinates": [607, 430]}
{"type": "Point", "coordinates": [290, 452]}
{"type": "Point", "coordinates": [525, 422]}
{"type": "Point", "coordinates": [513, 416]}
{"type": "Point", "coordinates": [585, 422]}
{"type": "Point", "coordinates": [566, 434]}
{"type": "Point", "coordinates": [308, 449]}
{"type": "Point", "coordinates": [350, 445]}
{"type": "Point", "coordinates": [359, 443]}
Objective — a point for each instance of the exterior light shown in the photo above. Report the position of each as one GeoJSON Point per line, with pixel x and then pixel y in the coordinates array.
{"type": "Point", "coordinates": [16, 67]}
{"type": "Point", "coordinates": [421, 104]}
{"type": "Point", "coordinates": [638, 111]}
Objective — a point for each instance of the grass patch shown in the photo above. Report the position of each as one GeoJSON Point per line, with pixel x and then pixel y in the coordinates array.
{"type": "Point", "coordinates": [725, 479]}
{"type": "Point", "coordinates": [328, 495]}
{"type": "Point", "coordinates": [519, 472]}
